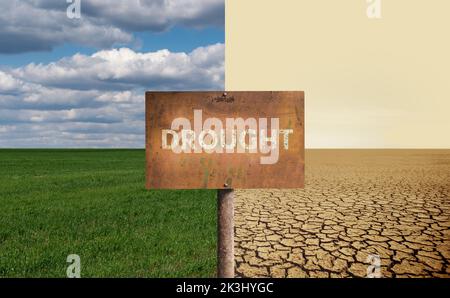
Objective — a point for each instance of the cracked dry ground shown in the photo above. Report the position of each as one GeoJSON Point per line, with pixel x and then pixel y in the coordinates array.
{"type": "Point", "coordinates": [392, 203]}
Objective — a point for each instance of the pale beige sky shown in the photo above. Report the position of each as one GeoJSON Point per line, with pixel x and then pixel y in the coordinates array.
{"type": "Point", "coordinates": [369, 83]}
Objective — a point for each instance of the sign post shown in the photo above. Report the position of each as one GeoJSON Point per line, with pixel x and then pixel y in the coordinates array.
{"type": "Point", "coordinates": [224, 141]}
{"type": "Point", "coordinates": [225, 233]}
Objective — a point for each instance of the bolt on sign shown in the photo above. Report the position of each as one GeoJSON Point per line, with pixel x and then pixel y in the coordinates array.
{"type": "Point", "coordinates": [220, 140]}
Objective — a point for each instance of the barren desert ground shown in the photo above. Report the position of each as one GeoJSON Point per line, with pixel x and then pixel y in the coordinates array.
{"type": "Point", "coordinates": [391, 203]}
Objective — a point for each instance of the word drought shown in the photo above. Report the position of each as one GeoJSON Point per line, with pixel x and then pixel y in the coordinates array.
{"type": "Point", "coordinates": [236, 136]}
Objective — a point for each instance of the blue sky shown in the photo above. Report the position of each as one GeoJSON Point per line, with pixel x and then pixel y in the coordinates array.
{"type": "Point", "coordinates": [81, 82]}
{"type": "Point", "coordinates": [177, 39]}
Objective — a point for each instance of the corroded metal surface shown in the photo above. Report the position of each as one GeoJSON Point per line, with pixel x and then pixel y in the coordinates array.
{"type": "Point", "coordinates": [195, 170]}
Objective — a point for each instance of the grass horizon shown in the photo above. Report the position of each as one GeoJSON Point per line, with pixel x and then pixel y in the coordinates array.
{"type": "Point", "coordinates": [93, 202]}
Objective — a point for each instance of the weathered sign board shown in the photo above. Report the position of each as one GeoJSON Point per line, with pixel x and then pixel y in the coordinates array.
{"type": "Point", "coordinates": [218, 140]}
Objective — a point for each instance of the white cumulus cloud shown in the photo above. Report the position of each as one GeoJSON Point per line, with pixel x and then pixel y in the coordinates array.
{"type": "Point", "coordinates": [124, 68]}
{"type": "Point", "coordinates": [97, 100]}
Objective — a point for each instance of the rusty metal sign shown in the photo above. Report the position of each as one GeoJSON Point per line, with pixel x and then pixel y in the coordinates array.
{"type": "Point", "coordinates": [217, 140]}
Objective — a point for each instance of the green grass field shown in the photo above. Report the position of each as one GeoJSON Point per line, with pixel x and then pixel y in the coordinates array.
{"type": "Point", "coordinates": [93, 203]}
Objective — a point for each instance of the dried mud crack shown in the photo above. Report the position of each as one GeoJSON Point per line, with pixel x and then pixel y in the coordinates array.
{"type": "Point", "coordinates": [391, 203]}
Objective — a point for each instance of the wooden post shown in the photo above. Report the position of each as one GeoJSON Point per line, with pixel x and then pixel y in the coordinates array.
{"type": "Point", "coordinates": [225, 233]}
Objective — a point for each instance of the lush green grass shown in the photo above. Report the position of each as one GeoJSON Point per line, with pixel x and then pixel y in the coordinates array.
{"type": "Point", "coordinates": [93, 203]}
